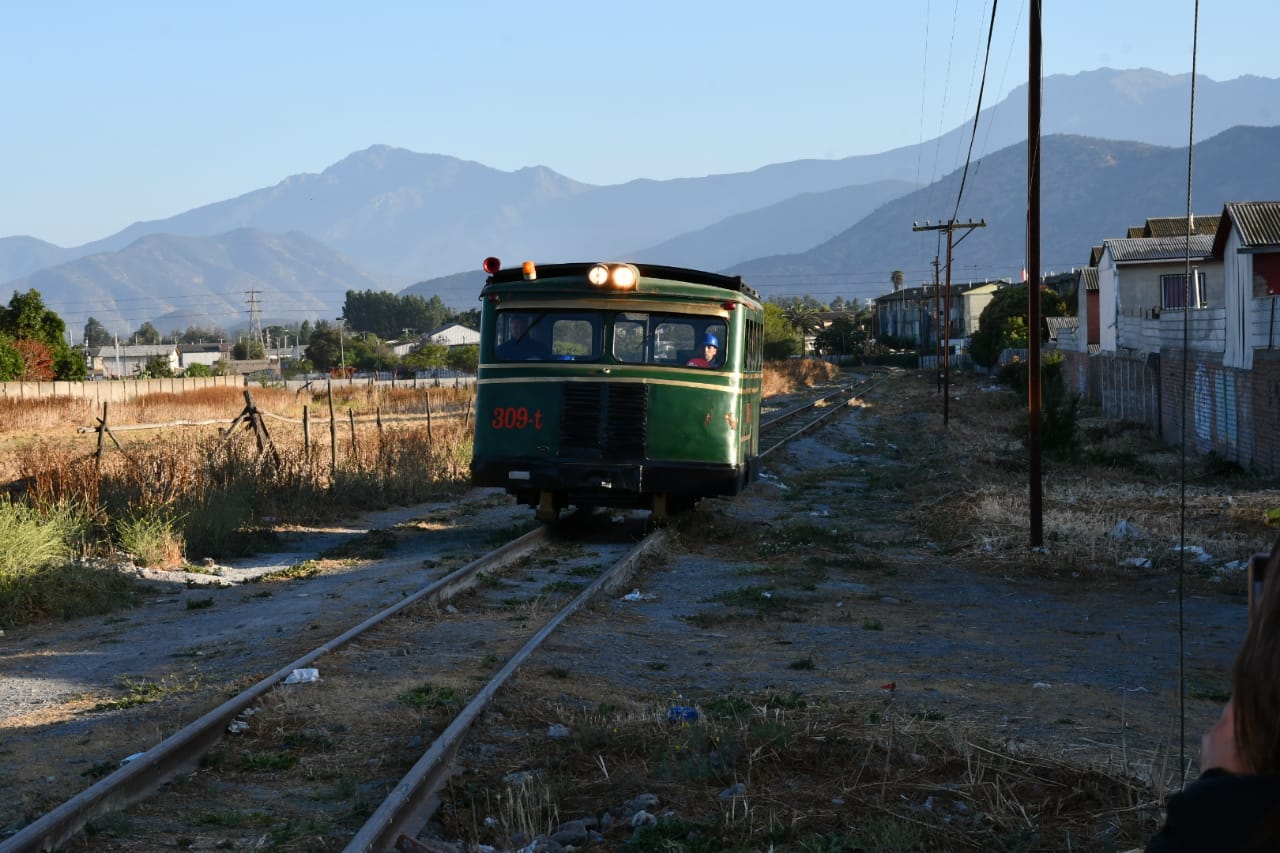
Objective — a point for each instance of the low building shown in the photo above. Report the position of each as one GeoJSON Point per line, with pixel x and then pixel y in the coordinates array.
{"type": "Point", "coordinates": [119, 361]}
{"type": "Point", "coordinates": [454, 335]}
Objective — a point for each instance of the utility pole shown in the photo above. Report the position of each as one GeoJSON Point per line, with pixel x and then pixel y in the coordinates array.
{"type": "Point", "coordinates": [950, 227]}
{"type": "Point", "coordinates": [1034, 404]}
{"type": "Point", "coordinates": [937, 319]}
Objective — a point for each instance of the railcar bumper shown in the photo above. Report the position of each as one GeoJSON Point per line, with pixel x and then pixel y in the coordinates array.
{"type": "Point", "coordinates": [612, 484]}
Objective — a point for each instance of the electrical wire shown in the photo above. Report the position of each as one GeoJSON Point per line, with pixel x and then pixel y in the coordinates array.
{"type": "Point", "coordinates": [1186, 346]}
{"type": "Point", "coordinates": [973, 133]}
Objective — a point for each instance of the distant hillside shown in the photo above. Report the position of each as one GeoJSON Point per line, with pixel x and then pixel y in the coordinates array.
{"type": "Point", "coordinates": [1091, 189]}
{"type": "Point", "coordinates": [400, 216]}
{"type": "Point", "coordinates": [791, 225]}
{"type": "Point", "coordinates": [21, 255]}
{"type": "Point", "coordinates": [176, 282]}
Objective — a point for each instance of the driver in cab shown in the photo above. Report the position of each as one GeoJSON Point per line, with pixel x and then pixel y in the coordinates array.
{"type": "Point", "coordinates": [710, 349]}
{"type": "Point", "coordinates": [519, 344]}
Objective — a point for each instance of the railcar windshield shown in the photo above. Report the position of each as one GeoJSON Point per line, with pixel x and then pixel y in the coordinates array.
{"type": "Point", "coordinates": [677, 340]}
{"type": "Point", "coordinates": [528, 335]}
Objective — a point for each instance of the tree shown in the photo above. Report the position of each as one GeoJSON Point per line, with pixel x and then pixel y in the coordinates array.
{"type": "Point", "coordinates": [779, 335]}
{"type": "Point", "coordinates": [147, 334]}
{"type": "Point", "coordinates": [10, 360]}
{"type": "Point", "coordinates": [27, 318]}
{"type": "Point", "coordinates": [898, 278]}
{"type": "Point", "coordinates": [802, 314]}
{"type": "Point", "coordinates": [324, 347]}
{"type": "Point", "coordinates": [198, 369]}
{"type": "Point", "coordinates": [248, 348]}
{"type": "Point", "coordinates": [465, 359]}
{"type": "Point", "coordinates": [1003, 324]}
{"type": "Point", "coordinates": [198, 335]}
{"type": "Point", "coordinates": [843, 337]}
{"type": "Point", "coordinates": [96, 334]}
{"type": "Point", "coordinates": [70, 364]}
{"type": "Point", "coordinates": [469, 318]}
{"type": "Point", "coordinates": [427, 357]}
{"type": "Point", "coordinates": [157, 367]}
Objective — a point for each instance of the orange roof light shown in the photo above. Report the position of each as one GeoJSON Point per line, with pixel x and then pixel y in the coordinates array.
{"type": "Point", "coordinates": [530, 271]}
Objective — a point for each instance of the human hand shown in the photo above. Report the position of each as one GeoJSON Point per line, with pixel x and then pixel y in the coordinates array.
{"type": "Point", "coordinates": [1218, 747]}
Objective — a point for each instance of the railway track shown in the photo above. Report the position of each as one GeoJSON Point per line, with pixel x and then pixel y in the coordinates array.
{"type": "Point", "coordinates": [417, 629]}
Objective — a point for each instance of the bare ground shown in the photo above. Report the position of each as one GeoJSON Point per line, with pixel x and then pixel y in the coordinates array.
{"type": "Point", "coordinates": [876, 586]}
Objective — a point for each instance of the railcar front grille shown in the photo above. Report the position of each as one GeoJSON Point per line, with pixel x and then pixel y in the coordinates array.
{"type": "Point", "coordinates": [605, 420]}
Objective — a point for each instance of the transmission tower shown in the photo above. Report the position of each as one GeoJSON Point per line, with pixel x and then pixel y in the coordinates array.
{"type": "Point", "coordinates": [255, 318]}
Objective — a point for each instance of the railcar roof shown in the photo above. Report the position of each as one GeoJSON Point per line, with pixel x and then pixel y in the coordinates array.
{"type": "Point", "coordinates": [658, 271]}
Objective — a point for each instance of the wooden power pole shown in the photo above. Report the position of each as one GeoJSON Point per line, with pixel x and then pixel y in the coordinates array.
{"type": "Point", "coordinates": [950, 227]}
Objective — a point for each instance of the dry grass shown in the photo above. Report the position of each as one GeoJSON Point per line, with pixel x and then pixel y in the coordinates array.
{"type": "Point", "coordinates": [169, 493]}
{"type": "Point", "coordinates": [784, 377]}
{"type": "Point", "coordinates": [974, 481]}
{"type": "Point", "coordinates": [782, 772]}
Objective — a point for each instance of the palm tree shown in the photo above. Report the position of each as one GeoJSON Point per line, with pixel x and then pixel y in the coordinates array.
{"type": "Point", "coordinates": [899, 278]}
{"type": "Point", "coordinates": [804, 318]}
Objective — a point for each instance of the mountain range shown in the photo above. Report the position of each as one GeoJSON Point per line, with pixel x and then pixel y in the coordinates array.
{"type": "Point", "coordinates": [1114, 153]}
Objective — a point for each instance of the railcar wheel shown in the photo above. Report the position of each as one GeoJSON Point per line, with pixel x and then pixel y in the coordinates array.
{"type": "Point", "coordinates": [548, 511]}
{"type": "Point", "coordinates": [666, 507]}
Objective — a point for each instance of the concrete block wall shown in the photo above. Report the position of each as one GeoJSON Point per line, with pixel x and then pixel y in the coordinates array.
{"type": "Point", "coordinates": [114, 391]}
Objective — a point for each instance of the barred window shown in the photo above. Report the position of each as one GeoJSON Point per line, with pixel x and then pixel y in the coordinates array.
{"type": "Point", "coordinates": [1173, 290]}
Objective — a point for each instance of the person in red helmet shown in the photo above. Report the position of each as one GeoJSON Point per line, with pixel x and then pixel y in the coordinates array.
{"type": "Point", "coordinates": [710, 349]}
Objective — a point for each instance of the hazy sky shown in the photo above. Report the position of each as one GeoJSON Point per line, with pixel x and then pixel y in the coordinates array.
{"type": "Point", "coordinates": [126, 111]}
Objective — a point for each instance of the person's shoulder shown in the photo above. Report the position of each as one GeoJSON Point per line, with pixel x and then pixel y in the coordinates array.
{"type": "Point", "coordinates": [1227, 810]}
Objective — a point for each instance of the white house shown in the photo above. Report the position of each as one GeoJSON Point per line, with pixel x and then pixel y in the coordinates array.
{"type": "Point", "coordinates": [206, 354]}
{"type": "Point", "coordinates": [116, 361]}
{"type": "Point", "coordinates": [1142, 279]}
{"type": "Point", "coordinates": [454, 335]}
{"type": "Point", "coordinates": [1248, 245]}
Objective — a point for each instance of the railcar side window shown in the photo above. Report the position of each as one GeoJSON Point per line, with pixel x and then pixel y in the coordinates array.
{"type": "Point", "coordinates": [665, 339]}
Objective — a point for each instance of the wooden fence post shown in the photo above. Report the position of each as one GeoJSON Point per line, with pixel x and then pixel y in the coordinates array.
{"type": "Point", "coordinates": [306, 430]}
{"type": "Point", "coordinates": [333, 436]}
{"type": "Point", "coordinates": [430, 440]}
{"type": "Point", "coordinates": [351, 418]}
{"type": "Point", "coordinates": [102, 429]}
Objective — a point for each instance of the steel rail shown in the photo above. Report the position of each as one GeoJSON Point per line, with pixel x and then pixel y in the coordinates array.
{"type": "Point", "coordinates": [395, 824]}
{"type": "Point", "coordinates": [860, 390]}
{"type": "Point", "coordinates": [411, 803]}
{"type": "Point", "coordinates": [140, 777]}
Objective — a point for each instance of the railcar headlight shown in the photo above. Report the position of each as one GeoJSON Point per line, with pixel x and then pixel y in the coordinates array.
{"type": "Point", "coordinates": [625, 276]}
{"type": "Point", "coordinates": [598, 275]}
{"type": "Point", "coordinates": [619, 276]}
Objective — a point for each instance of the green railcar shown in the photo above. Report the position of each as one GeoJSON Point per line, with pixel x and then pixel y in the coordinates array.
{"type": "Point", "coordinates": [618, 385]}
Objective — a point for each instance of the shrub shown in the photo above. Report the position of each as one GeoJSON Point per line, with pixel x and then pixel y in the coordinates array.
{"type": "Point", "coordinates": [152, 536]}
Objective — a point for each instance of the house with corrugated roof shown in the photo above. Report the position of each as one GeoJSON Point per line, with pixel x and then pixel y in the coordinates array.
{"type": "Point", "coordinates": [454, 335]}
{"type": "Point", "coordinates": [116, 361]}
{"type": "Point", "coordinates": [1194, 356]}
{"type": "Point", "coordinates": [1248, 245]}
{"type": "Point", "coordinates": [1142, 279]}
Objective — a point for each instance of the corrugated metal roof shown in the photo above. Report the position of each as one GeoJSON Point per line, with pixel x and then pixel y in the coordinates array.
{"type": "Point", "coordinates": [1095, 255]}
{"type": "Point", "coordinates": [1089, 275]}
{"type": "Point", "coordinates": [1129, 250]}
{"type": "Point", "coordinates": [1176, 226]}
{"type": "Point", "coordinates": [1257, 221]}
{"type": "Point", "coordinates": [1056, 324]}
